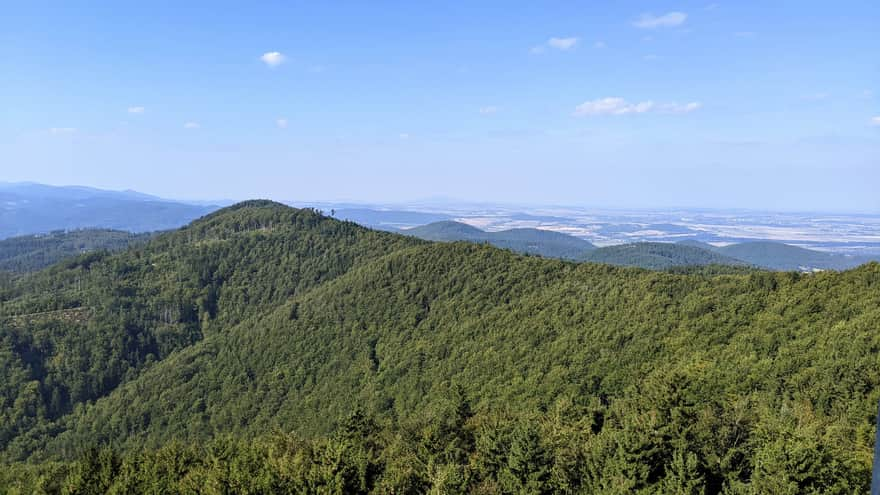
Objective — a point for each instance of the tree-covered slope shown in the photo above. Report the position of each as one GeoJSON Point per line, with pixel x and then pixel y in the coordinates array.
{"type": "Point", "coordinates": [659, 256]}
{"type": "Point", "coordinates": [467, 368]}
{"type": "Point", "coordinates": [72, 333]}
{"type": "Point", "coordinates": [527, 241]}
{"type": "Point", "coordinates": [34, 252]}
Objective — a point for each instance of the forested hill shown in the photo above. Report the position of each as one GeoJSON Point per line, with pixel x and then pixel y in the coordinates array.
{"type": "Point", "coordinates": [265, 349]}
{"type": "Point", "coordinates": [34, 252]}
{"type": "Point", "coordinates": [779, 256]}
{"type": "Point", "coordinates": [659, 256]}
{"type": "Point", "coordinates": [527, 241]}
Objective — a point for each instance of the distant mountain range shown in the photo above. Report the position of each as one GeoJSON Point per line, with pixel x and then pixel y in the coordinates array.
{"type": "Point", "coordinates": [651, 255]}
{"type": "Point", "coordinates": [29, 208]}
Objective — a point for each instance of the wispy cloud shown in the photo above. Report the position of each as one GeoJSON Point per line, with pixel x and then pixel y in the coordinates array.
{"type": "Point", "coordinates": [614, 105]}
{"type": "Point", "coordinates": [679, 107]}
{"type": "Point", "coordinates": [562, 44]}
{"type": "Point", "coordinates": [273, 59]}
{"type": "Point", "coordinates": [651, 21]}
{"type": "Point", "coordinates": [875, 121]}
{"type": "Point", "coordinates": [489, 110]}
{"type": "Point", "coordinates": [404, 136]}
{"type": "Point", "coordinates": [62, 130]}
{"type": "Point", "coordinates": [136, 110]}
{"type": "Point", "coordinates": [191, 125]}
{"type": "Point", "coordinates": [281, 123]}
{"type": "Point", "coordinates": [745, 34]}
{"type": "Point", "coordinates": [599, 44]}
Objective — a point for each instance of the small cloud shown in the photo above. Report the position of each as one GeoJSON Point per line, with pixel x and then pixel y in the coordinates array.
{"type": "Point", "coordinates": [136, 110]}
{"type": "Point", "coordinates": [875, 121]}
{"type": "Point", "coordinates": [614, 105]}
{"type": "Point", "coordinates": [281, 123]}
{"type": "Point", "coordinates": [679, 107]}
{"type": "Point", "coordinates": [599, 44]}
{"type": "Point", "coordinates": [866, 94]}
{"type": "Point", "coordinates": [711, 6]}
{"type": "Point", "coordinates": [191, 125]}
{"type": "Point", "coordinates": [650, 21]}
{"type": "Point", "coordinates": [651, 57]}
{"type": "Point", "coordinates": [317, 69]}
{"type": "Point", "coordinates": [745, 34]}
{"type": "Point", "coordinates": [489, 110]}
{"type": "Point", "coordinates": [404, 136]}
{"type": "Point", "coordinates": [273, 59]}
{"type": "Point", "coordinates": [562, 44]}
{"type": "Point", "coordinates": [62, 130]}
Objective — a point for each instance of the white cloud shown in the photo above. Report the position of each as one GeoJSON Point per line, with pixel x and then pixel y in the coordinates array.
{"type": "Point", "coordinates": [62, 130]}
{"type": "Point", "coordinates": [562, 44]}
{"type": "Point", "coordinates": [599, 44]}
{"type": "Point", "coordinates": [191, 125]}
{"type": "Point", "coordinates": [137, 110]}
{"type": "Point", "coordinates": [614, 105]}
{"type": "Point", "coordinates": [650, 21]}
{"type": "Point", "coordinates": [876, 121]}
{"type": "Point", "coordinates": [404, 136]}
{"type": "Point", "coordinates": [489, 110]}
{"type": "Point", "coordinates": [273, 59]}
{"type": "Point", "coordinates": [867, 94]}
{"type": "Point", "coordinates": [281, 123]}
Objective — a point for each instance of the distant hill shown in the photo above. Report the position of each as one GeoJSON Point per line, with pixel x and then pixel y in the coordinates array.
{"type": "Point", "coordinates": [659, 256]}
{"type": "Point", "coordinates": [528, 241]}
{"type": "Point", "coordinates": [387, 219]}
{"type": "Point", "coordinates": [33, 252]}
{"type": "Point", "coordinates": [28, 208]}
{"type": "Point", "coordinates": [785, 257]}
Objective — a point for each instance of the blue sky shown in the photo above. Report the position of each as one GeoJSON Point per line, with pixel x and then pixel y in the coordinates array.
{"type": "Point", "coordinates": [765, 105]}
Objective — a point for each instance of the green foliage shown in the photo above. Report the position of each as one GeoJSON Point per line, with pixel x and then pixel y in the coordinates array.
{"type": "Point", "coordinates": [34, 252]}
{"type": "Point", "coordinates": [659, 256]}
{"type": "Point", "coordinates": [270, 350]}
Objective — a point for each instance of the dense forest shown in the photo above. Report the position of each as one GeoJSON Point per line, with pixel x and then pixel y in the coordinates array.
{"type": "Point", "coordinates": [34, 252]}
{"type": "Point", "coordinates": [266, 349]}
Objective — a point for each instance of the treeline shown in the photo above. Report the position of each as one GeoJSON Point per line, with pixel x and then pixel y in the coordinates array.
{"type": "Point", "coordinates": [575, 446]}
